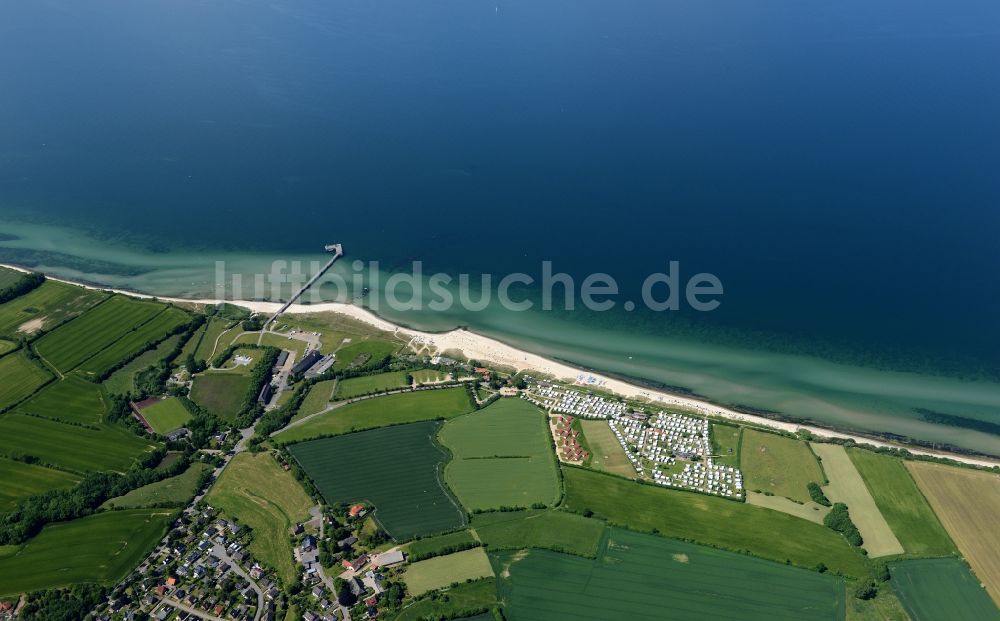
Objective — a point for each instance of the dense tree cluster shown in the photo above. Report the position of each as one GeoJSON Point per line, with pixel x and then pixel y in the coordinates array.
{"type": "Point", "coordinates": [817, 495]}
{"type": "Point", "coordinates": [840, 520]}
{"type": "Point", "coordinates": [62, 604]}
{"type": "Point", "coordinates": [25, 284]}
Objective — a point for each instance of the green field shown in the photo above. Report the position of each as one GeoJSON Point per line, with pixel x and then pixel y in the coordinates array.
{"type": "Point", "coordinates": [318, 398]}
{"type": "Point", "coordinates": [434, 546]}
{"type": "Point", "coordinates": [100, 548]}
{"type": "Point", "coordinates": [780, 465]}
{"type": "Point", "coordinates": [166, 415]}
{"type": "Point", "coordinates": [359, 353]}
{"type": "Point", "coordinates": [552, 530]}
{"type": "Point", "coordinates": [214, 328]}
{"type": "Point", "coordinates": [9, 277]}
{"type": "Point", "coordinates": [107, 447]}
{"type": "Point", "coordinates": [122, 381]}
{"type": "Point", "coordinates": [21, 480]}
{"type": "Point", "coordinates": [430, 376]}
{"type": "Point", "coordinates": [366, 384]}
{"type": "Point", "coordinates": [191, 345]}
{"type": "Point", "coordinates": [640, 576]}
{"type": "Point", "coordinates": [19, 377]}
{"type": "Point", "coordinates": [726, 444]}
{"type": "Point", "coordinates": [710, 520]}
{"type": "Point", "coordinates": [902, 504]}
{"type": "Point", "coordinates": [274, 340]}
{"type": "Point", "coordinates": [407, 407]}
{"type": "Point", "coordinates": [941, 589]}
{"type": "Point", "coordinates": [45, 307]}
{"type": "Point", "coordinates": [255, 490]}
{"type": "Point", "coordinates": [607, 453]}
{"type": "Point", "coordinates": [71, 344]}
{"type": "Point", "coordinates": [7, 346]}
{"type": "Point", "coordinates": [221, 392]}
{"type": "Point", "coordinates": [397, 469]}
{"type": "Point", "coordinates": [175, 491]}
{"type": "Point", "coordinates": [460, 600]}
{"type": "Point", "coordinates": [442, 571]}
{"type": "Point", "coordinates": [154, 330]}
{"type": "Point", "coordinates": [73, 400]}
{"type": "Point", "coordinates": [501, 457]}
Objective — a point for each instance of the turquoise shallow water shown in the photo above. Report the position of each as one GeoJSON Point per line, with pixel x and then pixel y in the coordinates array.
{"type": "Point", "coordinates": [833, 165]}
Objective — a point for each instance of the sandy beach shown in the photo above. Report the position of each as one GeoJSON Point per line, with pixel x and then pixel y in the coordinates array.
{"type": "Point", "coordinates": [488, 350]}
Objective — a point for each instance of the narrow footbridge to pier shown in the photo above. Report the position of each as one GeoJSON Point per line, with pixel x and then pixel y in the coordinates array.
{"type": "Point", "coordinates": [338, 251]}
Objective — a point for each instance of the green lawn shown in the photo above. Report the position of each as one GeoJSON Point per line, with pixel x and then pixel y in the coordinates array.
{"type": "Point", "coordinates": [255, 490]}
{"type": "Point", "coordinates": [606, 452]}
{"type": "Point", "coordinates": [435, 546]}
{"type": "Point", "coordinates": [442, 571]}
{"type": "Point", "coordinates": [318, 398]}
{"type": "Point", "coordinates": [367, 384]}
{"type": "Point", "coordinates": [21, 480]}
{"type": "Point", "coordinates": [206, 348]}
{"type": "Point", "coordinates": [941, 589]}
{"type": "Point", "coordinates": [221, 392]}
{"type": "Point", "coordinates": [902, 504]}
{"type": "Point", "coordinates": [274, 340]}
{"type": "Point", "coordinates": [430, 376]}
{"type": "Point", "coordinates": [382, 411]}
{"type": "Point", "coordinates": [501, 457]}
{"type": "Point", "coordinates": [395, 468]}
{"type": "Point", "coordinates": [640, 576]}
{"type": "Point", "coordinates": [122, 381]}
{"type": "Point", "coordinates": [710, 520]}
{"type": "Point", "coordinates": [461, 600]}
{"type": "Point", "coordinates": [19, 377]}
{"type": "Point", "coordinates": [175, 491]}
{"type": "Point", "coordinates": [549, 529]}
{"type": "Point", "coordinates": [100, 548]}
{"type": "Point", "coordinates": [166, 415]}
{"type": "Point", "coordinates": [154, 330]}
{"type": "Point", "coordinates": [726, 444]}
{"type": "Point", "coordinates": [72, 399]}
{"type": "Point", "coordinates": [359, 353]}
{"type": "Point", "coordinates": [191, 345]}
{"type": "Point", "coordinates": [45, 308]}
{"type": "Point", "coordinates": [72, 343]}
{"type": "Point", "coordinates": [780, 465]}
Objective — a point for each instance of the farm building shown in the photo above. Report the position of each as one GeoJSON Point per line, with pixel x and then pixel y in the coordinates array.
{"type": "Point", "coordinates": [307, 362]}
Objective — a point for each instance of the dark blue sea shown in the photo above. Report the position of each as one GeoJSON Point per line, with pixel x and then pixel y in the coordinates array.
{"type": "Point", "coordinates": [833, 164]}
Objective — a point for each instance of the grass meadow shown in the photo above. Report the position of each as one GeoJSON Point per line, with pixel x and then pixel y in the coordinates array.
{"type": "Point", "coordinates": [213, 330]}
{"type": "Point", "coordinates": [156, 329]}
{"type": "Point", "coordinates": [432, 546]}
{"type": "Point", "coordinates": [19, 378]}
{"type": "Point", "coordinates": [166, 415]}
{"type": "Point", "coordinates": [358, 353]}
{"type": "Point", "coordinates": [255, 490]}
{"type": "Point", "coordinates": [439, 572]}
{"type": "Point", "coordinates": [549, 529]}
{"type": "Point", "coordinates": [780, 465]}
{"type": "Point", "coordinates": [9, 277]}
{"type": "Point", "coordinates": [99, 548]}
{"type": "Point", "coordinates": [903, 504]}
{"type": "Point", "coordinates": [726, 444]}
{"type": "Point", "coordinates": [73, 400]}
{"type": "Point", "coordinates": [318, 399]}
{"type": "Point", "coordinates": [477, 595]}
{"type": "Point", "coordinates": [177, 490]}
{"type": "Point", "coordinates": [395, 409]}
{"type": "Point", "coordinates": [606, 453]}
{"type": "Point", "coordinates": [21, 480]}
{"type": "Point", "coordinates": [646, 577]}
{"type": "Point", "coordinates": [221, 392]}
{"type": "Point", "coordinates": [122, 381]}
{"type": "Point", "coordinates": [397, 469]}
{"type": "Point", "coordinates": [501, 457]}
{"type": "Point", "coordinates": [710, 520]}
{"type": "Point", "coordinates": [45, 307]}
{"type": "Point", "coordinates": [941, 588]}
{"type": "Point", "coordinates": [430, 376]}
{"type": "Point", "coordinates": [366, 384]}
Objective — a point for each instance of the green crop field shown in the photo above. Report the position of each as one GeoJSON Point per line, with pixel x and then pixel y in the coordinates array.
{"type": "Point", "coordinates": [318, 398]}
{"type": "Point", "coordinates": [221, 392]}
{"type": "Point", "coordinates": [710, 520]}
{"type": "Point", "coordinates": [357, 386]}
{"type": "Point", "coordinates": [7, 346]}
{"type": "Point", "coordinates": [100, 548]}
{"type": "Point", "coordinates": [175, 491]}
{"type": "Point", "coordinates": [439, 572]}
{"type": "Point", "coordinates": [156, 329]}
{"type": "Point", "coordinates": [553, 530]}
{"type": "Point", "coordinates": [941, 589]}
{"type": "Point", "coordinates": [502, 457]}
{"type": "Point", "coordinates": [397, 469]}
{"type": "Point", "coordinates": [726, 444]}
{"type": "Point", "coordinates": [122, 381]}
{"type": "Point", "coordinates": [191, 345]}
{"type": "Point", "coordinates": [256, 491]}
{"type": "Point", "coordinates": [21, 480]}
{"type": "Point", "coordinates": [409, 407]}
{"type": "Point", "coordinates": [19, 378]}
{"type": "Point", "coordinates": [433, 546]}
{"type": "Point", "coordinates": [72, 399]}
{"type": "Point", "coordinates": [166, 415]}
{"type": "Point", "coordinates": [107, 447]}
{"type": "Point", "coordinates": [359, 353]}
{"type": "Point", "coordinates": [45, 307]}
{"type": "Point", "coordinates": [776, 464]}
{"type": "Point", "coordinates": [460, 600]}
{"type": "Point", "coordinates": [640, 576]}
{"type": "Point", "coordinates": [213, 330]}
{"type": "Point", "coordinates": [607, 453]}
{"type": "Point", "coordinates": [68, 346]}
{"type": "Point", "coordinates": [902, 504]}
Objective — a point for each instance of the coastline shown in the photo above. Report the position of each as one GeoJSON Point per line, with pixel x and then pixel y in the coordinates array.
{"type": "Point", "coordinates": [479, 347]}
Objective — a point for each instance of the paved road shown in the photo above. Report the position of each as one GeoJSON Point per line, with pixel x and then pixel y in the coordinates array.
{"type": "Point", "coordinates": [200, 613]}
